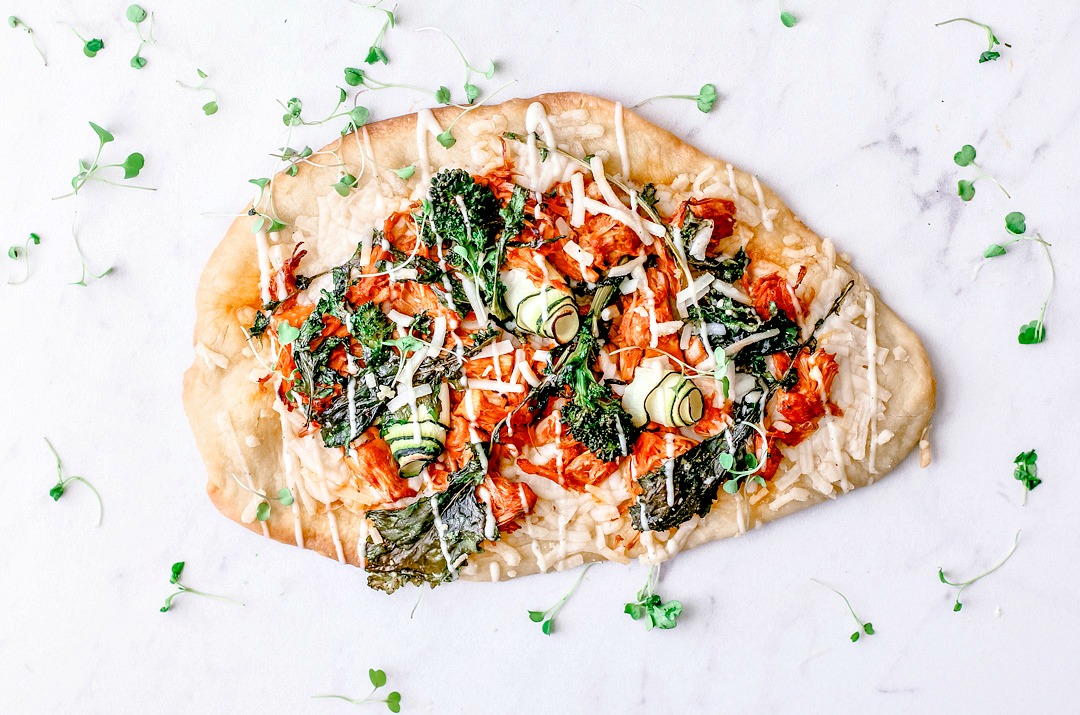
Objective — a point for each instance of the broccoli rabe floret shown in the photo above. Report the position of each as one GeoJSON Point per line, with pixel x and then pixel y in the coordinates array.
{"type": "Point", "coordinates": [371, 327]}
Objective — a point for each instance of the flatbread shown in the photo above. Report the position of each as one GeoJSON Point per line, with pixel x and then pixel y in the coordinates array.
{"type": "Point", "coordinates": [239, 433]}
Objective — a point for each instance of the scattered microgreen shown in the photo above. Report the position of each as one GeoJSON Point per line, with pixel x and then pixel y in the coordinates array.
{"type": "Point", "coordinates": [287, 333]}
{"type": "Point", "coordinates": [965, 188]}
{"type": "Point", "coordinates": [174, 578]}
{"type": "Point", "coordinates": [376, 53]}
{"type": "Point", "coordinates": [355, 77]}
{"type": "Point", "coordinates": [867, 628]}
{"type": "Point", "coordinates": [546, 619]}
{"type": "Point", "coordinates": [378, 680]}
{"type": "Point", "coordinates": [1026, 471]}
{"type": "Point", "coordinates": [345, 184]}
{"type": "Point", "coordinates": [264, 220]}
{"type": "Point", "coordinates": [990, 54]}
{"type": "Point", "coordinates": [90, 47]}
{"type": "Point", "coordinates": [294, 158]}
{"type": "Point", "coordinates": [786, 17]}
{"type": "Point", "coordinates": [705, 99]}
{"type": "Point", "coordinates": [262, 511]}
{"type": "Point", "coordinates": [16, 253]}
{"type": "Point", "coordinates": [406, 172]}
{"type": "Point", "coordinates": [58, 489]}
{"type": "Point", "coordinates": [471, 90]}
{"type": "Point", "coordinates": [132, 165]}
{"type": "Point", "coordinates": [210, 107]}
{"type": "Point", "coordinates": [86, 272]}
{"type": "Point", "coordinates": [137, 15]}
{"type": "Point", "coordinates": [17, 24]}
{"type": "Point", "coordinates": [962, 585]}
{"type": "Point", "coordinates": [651, 608]}
{"type": "Point", "coordinates": [357, 116]}
{"type": "Point", "coordinates": [446, 138]}
{"type": "Point", "coordinates": [1016, 224]}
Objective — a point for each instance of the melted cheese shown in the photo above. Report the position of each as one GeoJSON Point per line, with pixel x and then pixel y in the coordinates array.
{"type": "Point", "coordinates": [620, 140]}
{"type": "Point", "coordinates": [426, 124]}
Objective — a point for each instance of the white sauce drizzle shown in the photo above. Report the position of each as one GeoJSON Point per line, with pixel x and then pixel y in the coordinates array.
{"type": "Point", "coordinates": [264, 265]}
{"type": "Point", "coordinates": [620, 139]}
{"type": "Point", "coordinates": [426, 124]}
{"type": "Point", "coordinates": [766, 213]}
{"type": "Point", "coordinates": [335, 536]}
{"type": "Point", "coordinates": [871, 376]}
{"type": "Point", "coordinates": [669, 468]}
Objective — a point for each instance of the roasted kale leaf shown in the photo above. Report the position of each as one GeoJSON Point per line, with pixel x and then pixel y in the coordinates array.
{"type": "Point", "coordinates": [337, 430]}
{"type": "Point", "coordinates": [412, 550]}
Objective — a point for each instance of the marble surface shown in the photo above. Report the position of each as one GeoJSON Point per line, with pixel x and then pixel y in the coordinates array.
{"type": "Point", "coordinates": [853, 116]}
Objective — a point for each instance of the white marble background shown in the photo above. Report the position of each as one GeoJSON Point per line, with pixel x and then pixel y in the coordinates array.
{"type": "Point", "coordinates": [853, 116]}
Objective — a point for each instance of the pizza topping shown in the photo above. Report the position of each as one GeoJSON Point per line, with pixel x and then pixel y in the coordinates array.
{"type": "Point", "coordinates": [659, 394]}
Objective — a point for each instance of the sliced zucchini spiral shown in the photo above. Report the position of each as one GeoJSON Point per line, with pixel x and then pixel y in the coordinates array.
{"type": "Point", "coordinates": [545, 310]}
{"type": "Point", "coordinates": [659, 394]}
{"type": "Point", "coordinates": [415, 439]}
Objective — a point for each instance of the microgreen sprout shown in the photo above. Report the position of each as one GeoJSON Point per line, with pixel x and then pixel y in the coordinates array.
{"type": "Point", "coordinates": [964, 188]}
{"type": "Point", "coordinates": [210, 107]}
{"type": "Point", "coordinates": [90, 47]}
{"type": "Point", "coordinates": [132, 165]}
{"type": "Point", "coordinates": [651, 608]}
{"type": "Point", "coordinates": [376, 53]}
{"type": "Point", "coordinates": [471, 90]}
{"type": "Point", "coordinates": [17, 24]}
{"type": "Point", "coordinates": [786, 17]}
{"type": "Point", "coordinates": [174, 578]}
{"type": "Point", "coordinates": [378, 680]}
{"type": "Point", "coordinates": [355, 77]}
{"type": "Point", "coordinates": [446, 137]}
{"type": "Point", "coordinates": [357, 116]}
{"type": "Point", "coordinates": [705, 99]}
{"type": "Point", "coordinates": [546, 619]}
{"type": "Point", "coordinates": [262, 511]}
{"type": "Point", "coordinates": [867, 628]}
{"type": "Point", "coordinates": [294, 158]}
{"type": "Point", "coordinates": [1016, 224]}
{"type": "Point", "coordinates": [62, 482]}
{"type": "Point", "coordinates": [1026, 471]}
{"type": "Point", "coordinates": [136, 15]}
{"type": "Point", "coordinates": [265, 198]}
{"type": "Point", "coordinates": [962, 585]}
{"type": "Point", "coordinates": [406, 172]}
{"type": "Point", "coordinates": [86, 272]}
{"type": "Point", "coordinates": [990, 54]}
{"type": "Point", "coordinates": [16, 253]}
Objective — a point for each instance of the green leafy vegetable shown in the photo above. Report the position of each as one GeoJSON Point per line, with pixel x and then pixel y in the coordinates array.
{"type": "Point", "coordinates": [427, 541]}
{"type": "Point", "coordinates": [378, 680]}
{"type": "Point", "coordinates": [132, 165]}
{"type": "Point", "coordinates": [1016, 223]}
{"type": "Point", "coordinates": [16, 254]}
{"type": "Point", "coordinates": [357, 116]}
{"type": "Point", "coordinates": [963, 585]}
{"type": "Point", "coordinates": [376, 53]}
{"type": "Point", "coordinates": [136, 15]}
{"type": "Point", "coordinates": [17, 24]}
{"type": "Point", "coordinates": [1026, 471]}
{"type": "Point", "coordinates": [786, 17]}
{"type": "Point", "coordinates": [651, 608]}
{"type": "Point", "coordinates": [345, 184]}
{"type": "Point", "coordinates": [287, 333]}
{"type": "Point", "coordinates": [62, 482]}
{"type": "Point", "coordinates": [965, 189]}
{"type": "Point", "coordinates": [867, 628]}
{"type": "Point", "coordinates": [989, 54]}
{"type": "Point", "coordinates": [705, 99]}
{"type": "Point", "coordinates": [546, 619]}
{"type": "Point", "coordinates": [174, 578]}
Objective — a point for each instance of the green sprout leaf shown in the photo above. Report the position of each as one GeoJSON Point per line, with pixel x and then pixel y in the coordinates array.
{"type": "Point", "coordinates": [17, 24]}
{"type": "Point", "coordinates": [135, 14]}
{"type": "Point", "coordinates": [1032, 333]}
{"type": "Point", "coordinates": [174, 578]}
{"type": "Point", "coordinates": [104, 136]}
{"type": "Point", "coordinates": [287, 333]}
{"type": "Point", "coordinates": [1016, 223]}
{"type": "Point", "coordinates": [376, 54]}
{"type": "Point", "coordinates": [133, 165]}
{"type": "Point", "coordinates": [965, 189]}
{"type": "Point", "coordinates": [652, 609]}
{"type": "Point", "coordinates": [1026, 471]}
{"type": "Point", "coordinates": [994, 250]}
{"type": "Point", "coordinates": [177, 569]}
{"type": "Point", "coordinates": [210, 107]}
{"type": "Point", "coordinates": [706, 98]}
{"type": "Point", "coordinates": [442, 95]}
{"type": "Point", "coordinates": [988, 56]}
{"type": "Point", "coordinates": [446, 139]}
{"type": "Point", "coordinates": [354, 77]}
{"type": "Point", "coordinates": [92, 47]}
{"type": "Point", "coordinates": [471, 93]}
{"type": "Point", "coordinates": [15, 253]}
{"type": "Point", "coordinates": [378, 680]}
{"type": "Point", "coordinates": [536, 616]}
{"type": "Point", "coordinates": [788, 19]}
{"type": "Point", "coordinates": [58, 489]}
{"type": "Point", "coordinates": [262, 512]}
{"type": "Point", "coordinates": [992, 41]}
{"type": "Point", "coordinates": [966, 155]}
{"type": "Point", "coordinates": [377, 677]}
{"type": "Point", "coordinates": [546, 619]}
{"type": "Point", "coordinates": [138, 62]}
{"type": "Point", "coordinates": [344, 184]}
{"type": "Point", "coordinates": [285, 497]}
{"type": "Point", "coordinates": [406, 172]}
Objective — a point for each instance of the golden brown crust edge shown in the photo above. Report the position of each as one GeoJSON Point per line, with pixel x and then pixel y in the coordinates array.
{"type": "Point", "coordinates": [230, 283]}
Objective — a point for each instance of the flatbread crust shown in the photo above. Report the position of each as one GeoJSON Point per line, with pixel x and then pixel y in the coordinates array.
{"type": "Point", "coordinates": [218, 390]}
